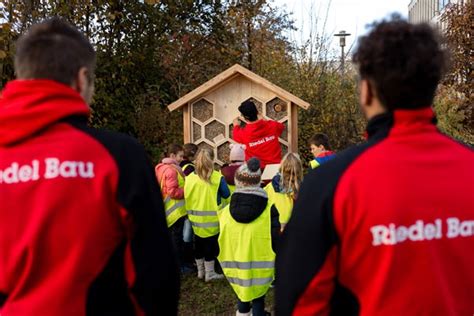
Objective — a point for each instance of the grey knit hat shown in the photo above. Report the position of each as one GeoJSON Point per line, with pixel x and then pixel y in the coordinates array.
{"type": "Point", "coordinates": [249, 174]}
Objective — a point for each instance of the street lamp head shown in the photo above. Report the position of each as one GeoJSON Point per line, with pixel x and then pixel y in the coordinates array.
{"type": "Point", "coordinates": [342, 37]}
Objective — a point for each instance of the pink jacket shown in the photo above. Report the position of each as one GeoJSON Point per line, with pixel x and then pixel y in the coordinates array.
{"type": "Point", "coordinates": [167, 172]}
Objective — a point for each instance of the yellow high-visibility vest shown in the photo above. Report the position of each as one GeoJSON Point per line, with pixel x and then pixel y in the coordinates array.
{"type": "Point", "coordinates": [282, 201]}
{"type": "Point", "coordinates": [246, 255]}
{"type": "Point", "coordinates": [201, 203]}
{"type": "Point", "coordinates": [174, 209]}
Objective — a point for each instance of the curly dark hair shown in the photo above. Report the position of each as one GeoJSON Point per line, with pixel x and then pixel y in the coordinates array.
{"type": "Point", "coordinates": [403, 62]}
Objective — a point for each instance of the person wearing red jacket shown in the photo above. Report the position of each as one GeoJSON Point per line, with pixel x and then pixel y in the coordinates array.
{"type": "Point", "coordinates": [259, 136]}
{"type": "Point", "coordinates": [82, 223]}
{"type": "Point", "coordinates": [386, 227]}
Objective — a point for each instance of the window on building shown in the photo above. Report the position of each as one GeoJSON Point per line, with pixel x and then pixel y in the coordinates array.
{"type": "Point", "coordinates": [442, 4]}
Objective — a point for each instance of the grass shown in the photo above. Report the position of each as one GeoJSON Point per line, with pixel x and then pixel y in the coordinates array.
{"type": "Point", "coordinates": [211, 298]}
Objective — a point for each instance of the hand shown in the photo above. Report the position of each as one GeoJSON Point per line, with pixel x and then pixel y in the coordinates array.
{"type": "Point", "coordinates": [236, 121]}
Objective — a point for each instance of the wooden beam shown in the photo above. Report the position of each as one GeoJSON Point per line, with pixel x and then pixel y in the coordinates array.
{"type": "Point", "coordinates": [294, 128]}
{"type": "Point", "coordinates": [186, 124]}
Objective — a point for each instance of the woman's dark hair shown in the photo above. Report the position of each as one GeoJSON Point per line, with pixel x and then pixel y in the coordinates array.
{"type": "Point", "coordinates": [403, 62]}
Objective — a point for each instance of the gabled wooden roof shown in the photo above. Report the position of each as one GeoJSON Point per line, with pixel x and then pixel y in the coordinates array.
{"type": "Point", "coordinates": [226, 76]}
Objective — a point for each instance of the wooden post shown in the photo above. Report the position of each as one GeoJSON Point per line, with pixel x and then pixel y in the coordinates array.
{"type": "Point", "coordinates": [186, 124]}
{"type": "Point", "coordinates": [294, 128]}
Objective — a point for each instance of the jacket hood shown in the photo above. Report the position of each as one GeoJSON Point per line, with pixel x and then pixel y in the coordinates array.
{"type": "Point", "coordinates": [246, 207]}
{"type": "Point", "coordinates": [28, 106]}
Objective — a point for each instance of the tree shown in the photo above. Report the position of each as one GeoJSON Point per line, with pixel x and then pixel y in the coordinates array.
{"type": "Point", "coordinates": [455, 100]}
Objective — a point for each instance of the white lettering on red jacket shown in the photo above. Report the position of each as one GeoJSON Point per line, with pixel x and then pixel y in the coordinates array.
{"type": "Point", "coordinates": [52, 168]}
{"type": "Point", "coordinates": [420, 231]}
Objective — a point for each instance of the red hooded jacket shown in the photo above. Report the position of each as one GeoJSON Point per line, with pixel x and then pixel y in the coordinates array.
{"type": "Point", "coordinates": [384, 228]}
{"type": "Point", "coordinates": [261, 140]}
{"type": "Point", "coordinates": [81, 215]}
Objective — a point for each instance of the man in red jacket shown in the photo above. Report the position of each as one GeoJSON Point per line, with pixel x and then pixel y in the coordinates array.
{"type": "Point", "coordinates": [387, 227]}
{"type": "Point", "coordinates": [259, 136]}
{"type": "Point", "coordinates": [82, 224]}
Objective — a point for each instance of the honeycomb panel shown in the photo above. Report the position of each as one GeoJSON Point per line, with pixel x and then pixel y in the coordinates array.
{"type": "Point", "coordinates": [205, 145]}
{"type": "Point", "coordinates": [223, 152]}
{"type": "Point", "coordinates": [257, 103]}
{"type": "Point", "coordinates": [284, 134]}
{"type": "Point", "coordinates": [203, 110]}
{"type": "Point", "coordinates": [196, 131]}
{"type": "Point", "coordinates": [276, 109]}
{"type": "Point", "coordinates": [214, 129]}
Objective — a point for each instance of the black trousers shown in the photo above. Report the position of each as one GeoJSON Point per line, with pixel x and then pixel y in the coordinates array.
{"type": "Point", "coordinates": [176, 231]}
{"type": "Point", "coordinates": [206, 248]}
{"type": "Point", "coordinates": [258, 306]}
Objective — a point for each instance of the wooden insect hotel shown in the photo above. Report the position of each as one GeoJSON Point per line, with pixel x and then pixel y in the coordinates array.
{"type": "Point", "coordinates": [208, 111]}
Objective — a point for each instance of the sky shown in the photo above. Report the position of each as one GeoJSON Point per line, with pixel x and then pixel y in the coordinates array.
{"type": "Point", "coordinates": [349, 15]}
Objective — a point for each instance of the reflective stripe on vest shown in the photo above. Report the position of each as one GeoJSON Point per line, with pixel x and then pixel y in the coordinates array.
{"type": "Point", "coordinates": [201, 203]}
{"type": "Point", "coordinates": [246, 255]}
{"type": "Point", "coordinates": [248, 265]}
{"type": "Point", "coordinates": [174, 209]}
{"type": "Point", "coordinates": [205, 225]}
{"type": "Point", "coordinates": [179, 204]}
{"type": "Point", "coordinates": [283, 202]}
{"type": "Point", "coordinates": [251, 282]}
{"type": "Point", "coordinates": [202, 213]}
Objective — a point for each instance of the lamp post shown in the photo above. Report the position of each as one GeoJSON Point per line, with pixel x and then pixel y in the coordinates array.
{"type": "Point", "coordinates": [342, 42]}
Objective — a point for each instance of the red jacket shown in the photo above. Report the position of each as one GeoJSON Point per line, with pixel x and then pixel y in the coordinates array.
{"type": "Point", "coordinates": [385, 228]}
{"type": "Point", "coordinates": [82, 225]}
{"type": "Point", "coordinates": [167, 175]}
{"type": "Point", "coordinates": [261, 140]}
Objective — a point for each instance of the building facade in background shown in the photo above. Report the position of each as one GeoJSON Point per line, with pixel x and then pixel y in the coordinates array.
{"type": "Point", "coordinates": [427, 10]}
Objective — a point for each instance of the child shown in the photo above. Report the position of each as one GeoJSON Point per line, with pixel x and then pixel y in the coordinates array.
{"type": "Point", "coordinates": [187, 164]}
{"type": "Point", "coordinates": [171, 180]}
{"type": "Point", "coordinates": [249, 228]}
{"type": "Point", "coordinates": [204, 190]}
{"type": "Point", "coordinates": [321, 150]}
{"type": "Point", "coordinates": [188, 167]}
{"type": "Point", "coordinates": [283, 190]}
{"type": "Point", "coordinates": [237, 158]}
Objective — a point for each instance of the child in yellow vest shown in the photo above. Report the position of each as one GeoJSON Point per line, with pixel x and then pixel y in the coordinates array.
{"type": "Point", "coordinates": [249, 229]}
{"type": "Point", "coordinates": [283, 189]}
{"type": "Point", "coordinates": [171, 180]}
{"type": "Point", "coordinates": [204, 192]}
{"type": "Point", "coordinates": [187, 164]}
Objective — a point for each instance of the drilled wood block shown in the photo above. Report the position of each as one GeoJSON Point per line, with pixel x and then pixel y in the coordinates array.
{"type": "Point", "coordinates": [276, 109]}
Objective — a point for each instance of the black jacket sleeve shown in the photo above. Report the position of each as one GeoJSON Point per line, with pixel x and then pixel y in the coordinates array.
{"type": "Point", "coordinates": [156, 284]}
{"type": "Point", "coordinates": [157, 278]}
{"type": "Point", "coordinates": [276, 227]}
